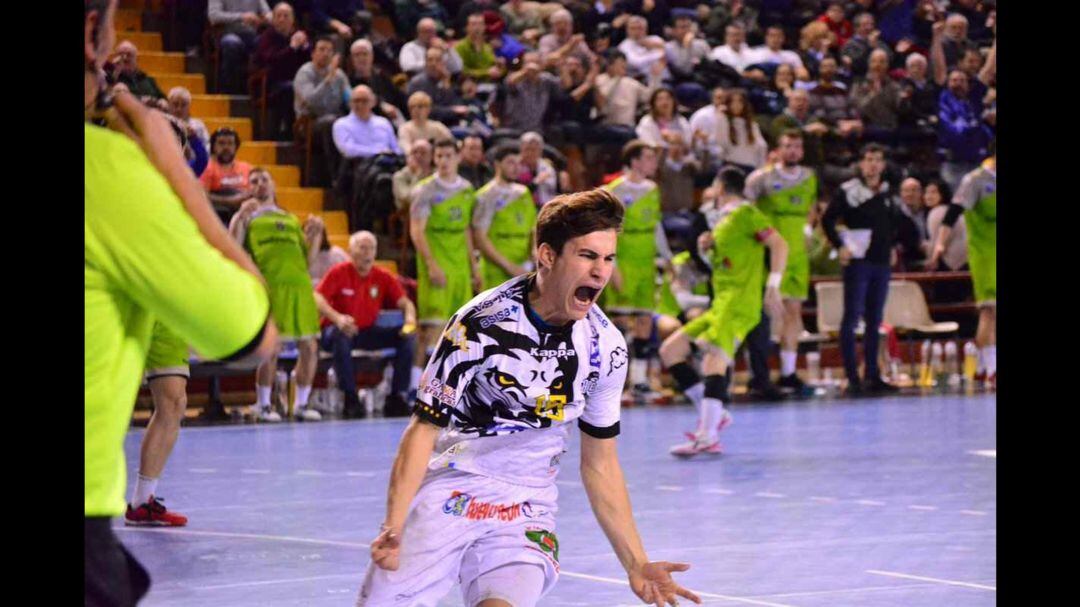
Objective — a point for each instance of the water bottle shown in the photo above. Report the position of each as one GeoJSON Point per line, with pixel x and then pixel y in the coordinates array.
{"type": "Point", "coordinates": [813, 367]}
{"type": "Point", "coordinates": [924, 365]}
{"type": "Point", "coordinates": [335, 400]}
{"type": "Point", "coordinates": [937, 366]}
{"type": "Point", "coordinates": [281, 387]}
{"type": "Point", "coordinates": [971, 362]}
{"type": "Point", "coordinates": [951, 364]}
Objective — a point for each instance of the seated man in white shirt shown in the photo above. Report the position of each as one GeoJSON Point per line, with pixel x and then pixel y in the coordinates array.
{"type": "Point", "coordinates": [360, 137]}
{"type": "Point", "coordinates": [414, 53]}
{"type": "Point", "coordinates": [734, 52]}
{"type": "Point", "coordinates": [773, 52]}
{"type": "Point", "coordinates": [641, 50]}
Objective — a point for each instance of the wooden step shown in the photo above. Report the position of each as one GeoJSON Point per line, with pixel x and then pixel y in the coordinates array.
{"type": "Point", "coordinates": [301, 201]}
{"type": "Point", "coordinates": [339, 240]}
{"type": "Point", "coordinates": [128, 20]}
{"type": "Point", "coordinates": [151, 5]}
{"type": "Point", "coordinates": [194, 83]}
{"type": "Point", "coordinates": [284, 175]}
{"type": "Point", "coordinates": [240, 125]}
{"type": "Point", "coordinates": [387, 264]}
{"type": "Point", "coordinates": [337, 222]}
{"type": "Point", "coordinates": [162, 63]}
{"type": "Point", "coordinates": [144, 41]}
{"type": "Point", "coordinates": [258, 152]}
{"type": "Point", "coordinates": [210, 106]}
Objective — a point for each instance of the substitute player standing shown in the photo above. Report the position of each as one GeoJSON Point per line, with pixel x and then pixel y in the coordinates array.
{"type": "Point", "coordinates": [633, 282]}
{"type": "Point", "coordinates": [447, 274]}
{"type": "Point", "coordinates": [785, 192]}
{"type": "Point", "coordinates": [277, 242]}
{"type": "Point", "coordinates": [735, 248]}
{"type": "Point", "coordinates": [976, 199]}
{"type": "Point", "coordinates": [472, 494]}
{"type": "Point", "coordinates": [503, 222]}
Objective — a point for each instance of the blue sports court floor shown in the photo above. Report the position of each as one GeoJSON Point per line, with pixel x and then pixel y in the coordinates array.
{"type": "Point", "coordinates": [875, 503]}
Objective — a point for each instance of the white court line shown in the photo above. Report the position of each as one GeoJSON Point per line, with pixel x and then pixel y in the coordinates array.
{"type": "Point", "coordinates": [310, 473]}
{"type": "Point", "coordinates": [869, 503]}
{"type": "Point", "coordinates": [787, 595]}
{"type": "Point", "coordinates": [363, 474]}
{"type": "Point", "coordinates": [361, 545]}
{"type": "Point", "coordinates": [769, 494]}
{"type": "Point", "coordinates": [920, 507]}
{"type": "Point", "coordinates": [973, 512]}
{"type": "Point", "coordinates": [202, 470]}
{"type": "Point", "coordinates": [719, 491]}
{"type": "Point", "coordinates": [266, 505]}
{"type": "Point", "coordinates": [826, 500]}
{"type": "Point", "coordinates": [669, 488]}
{"type": "Point", "coordinates": [930, 579]}
{"type": "Point", "coordinates": [985, 453]}
{"type": "Point", "coordinates": [252, 471]}
{"type": "Point", "coordinates": [269, 582]}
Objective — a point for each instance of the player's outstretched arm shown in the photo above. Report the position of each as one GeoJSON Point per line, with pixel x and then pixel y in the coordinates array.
{"type": "Point", "coordinates": [406, 475]}
{"type": "Point", "coordinates": [604, 483]}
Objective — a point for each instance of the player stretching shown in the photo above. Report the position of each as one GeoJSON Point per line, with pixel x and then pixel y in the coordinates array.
{"type": "Point", "coordinates": [447, 274]}
{"type": "Point", "coordinates": [276, 240]}
{"type": "Point", "coordinates": [633, 291]}
{"type": "Point", "coordinates": [513, 369]}
{"type": "Point", "coordinates": [738, 279]}
{"type": "Point", "coordinates": [785, 193]}
{"type": "Point", "coordinates": [976, 198]}
{"type": "Point", "coordinates": [503, 221]}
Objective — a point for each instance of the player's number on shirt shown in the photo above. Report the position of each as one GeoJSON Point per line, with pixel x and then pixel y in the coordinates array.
{"type": "Point", "coordinates": [550, 406]}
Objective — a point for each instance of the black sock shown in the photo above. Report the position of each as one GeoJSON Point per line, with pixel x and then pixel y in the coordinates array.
{"type": "Point", "coordinates": [685, 375]}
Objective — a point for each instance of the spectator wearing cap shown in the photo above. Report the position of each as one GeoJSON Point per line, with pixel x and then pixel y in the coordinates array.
{"type": "Point", "coordinates": [529, 92]}
{"type": "Point", "coordinates": [562, 41]}
{"type": "Point", "coordinates": [419, 127]}
{"type": "Point", "coordinates": [226, 178]}
{"type": "Point", "coordinates": [617, 99]}
{"type": "Point", "coordinates": [126, 71]}
{"type": "Point", "coordinates": [239, 20]}
{"type": "Point", "coordinates": [477, 56]}
{"type": "Point", "coordinates": [319, 92]}
{"type": "Point", "coordinates": [362, 70]}
{"type": "Point", "coordinates": [413, 56]}
{"type": "Point", "coordinates": [855, 54]}
{"type": "Point", "coordinates": [642, 50]}
{"type": "Point", "coordinates": [281, 50]}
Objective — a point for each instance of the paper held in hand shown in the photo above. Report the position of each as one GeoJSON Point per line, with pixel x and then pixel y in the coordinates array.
{"type": "Point", "coordinates": [857, 241]}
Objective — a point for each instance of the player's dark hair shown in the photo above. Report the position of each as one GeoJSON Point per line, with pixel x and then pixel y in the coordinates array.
{"type": "Point", "coordinates": [732, 179]}
{"type": "Point", "coordinates": [446, 143]}
{"type": "Point", "coordinates": [791, 134]}
{"type": "Point", "coordinates": [324, 38]}
{"type": "Point", "coordinates": [872, 148]}
{"type": "Point", "coordinates": [942, 188]}
{"type": "Point", "coordinates": [572, 215]}
{"type": "Point", "coordinates": [505, 150]}
{"type": "Point", "coordinates": [633, 150]}
{"type": "Point", "coordinates": [224, 131]}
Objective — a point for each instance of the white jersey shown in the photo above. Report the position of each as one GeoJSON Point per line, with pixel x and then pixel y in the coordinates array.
{"type": "Point", "coordinates": [505, 387]}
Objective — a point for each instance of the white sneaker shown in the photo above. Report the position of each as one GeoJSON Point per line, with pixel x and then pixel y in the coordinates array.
{"type": "Point", "coordinates": [307, 414]}
{"type": "Point", "coordinates": [268, 415]}
{"type": "Point", "coordinates": [696, 447]}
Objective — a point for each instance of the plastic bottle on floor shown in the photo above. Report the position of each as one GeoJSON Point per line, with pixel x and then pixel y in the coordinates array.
{"type": "Point", "coordinates": [952, 368]}
{"type": "Point", "coordinates": [925, 379]}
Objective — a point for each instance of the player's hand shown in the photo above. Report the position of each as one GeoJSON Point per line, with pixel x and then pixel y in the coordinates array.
{"type": "Point", "coordinates": [248, 207]}
{"type": "Point", "coordinates": [386, 549]}
{"type": "Point", "coordinates": [653, 584]}
{"type": "Point", "coordinates": [845, 256]}
{"type": "Point", "coordinates": [774, 303]}
{"type": "Point", "coordinates": [346, 325]}
{"type": "Point", "coordinates": [437, 276]}
{"type": "Point", "coordinates": [408, 328]}
{"type": "Point", "coordinates": [705, 241]}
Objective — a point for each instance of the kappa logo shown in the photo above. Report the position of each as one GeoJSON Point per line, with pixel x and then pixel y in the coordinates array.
{"type": "Point", "coordinates": [499, 316]}
{"type": "Point", "coordinates": [619, 358]}
{"type": "Point", "coordinates": [552, 353]}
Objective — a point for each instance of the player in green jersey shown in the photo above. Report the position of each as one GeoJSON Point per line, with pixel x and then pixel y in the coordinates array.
{"type": "Point", "coordinates": [976, 199]}
{"type": "Point", "coordinates": [734, 249]}
{"type": "Point", "coordinates": [786, 192]}
{"type": "Point", "coordinates": [147, 256]}
{"type": "Point", "coordinates": [278, 244]}
{"type": "Point", "coordinates": [447, 273]}
{"type": "Point", "coordinates": [503, 222]}
{"type": "Point", "coordinates": [632, 297]}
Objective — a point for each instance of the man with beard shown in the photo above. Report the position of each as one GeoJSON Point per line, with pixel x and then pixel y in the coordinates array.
{"type": "Point", "coordinates": [225, 177]}
{"type": "Point", "coordinates": [513, 368]}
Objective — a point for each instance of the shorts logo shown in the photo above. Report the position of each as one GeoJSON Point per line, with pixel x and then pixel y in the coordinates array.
{"type": "Point", "coordinates": [499, 316]}
{"type": "Point", "coordinates": [618, 359]}
{"type": "Point", "coordinates": [443, 393]}
{"type": "Point", "coordinates": [463, 504]}
{"type": "Point", "coordinates": [546, 540]}
{"type": "Point", "coordinates": [551, 406]}
{"type": "Point", "coordinates": [552, 353]}
{"type": "Point", "coordinates": [455, 334]}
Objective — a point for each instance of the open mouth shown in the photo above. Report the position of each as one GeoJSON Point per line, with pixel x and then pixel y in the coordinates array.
{"type": "Point", "coordinates": [584, 296]}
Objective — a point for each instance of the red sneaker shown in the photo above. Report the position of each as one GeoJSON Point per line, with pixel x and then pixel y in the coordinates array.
{"type": "Point", "coordinates": [153, 514]}
{"type": "Point", "coordinates": [991, 382]}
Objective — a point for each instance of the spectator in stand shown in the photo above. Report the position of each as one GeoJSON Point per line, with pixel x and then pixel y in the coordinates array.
{"type": "Point", "coordinates": [477, 56]}
{"type": "Point", "coordinates": [772, 99]}
{"type": "Point", "coordinates": [815, 44]}
{"type": "Point", "coordinates": [617, 100]}
{"type": "Point", "coordinates": [226, 178]}
{"type": "Point", "coordinates": [319, 92]}
{"type": "Point", "coordinates": [735, 53]}
{"type": "Point", "coordinates": [797, 116]}
{"type": "Point", "coordinates": [684, 51]}
{"type": "Point", "coordinates": [562, 41]}
{"type": "Point", "coordinates": [474, 165]}
{"type": "Point", "coordinates": [838, 24]}
{"type": "Point", "coordinates": [409, 13]}
{"type": "Point", "coordinates": [418, 166]}
{"type": "Point", "coordinates": [703, 124]}
{"type": "Point", "coordinates": [281, 50]}
{"type": "Point", "coordinates": [506, 46]}
{"type": "Point", "coordinates": [418, 127]}
{"type": "Point", "coordinates": [126, 71]}
{"type": "Point", "coordinates": [736, 12]}
{"type": "Point", "coordinates": [642, 50]}
{"type": "Point", "coordinates": [529, 92]}
{"type": "Point", "coordinates": [831, 104]}
{"type": "Point", "coordinates": [856, 53]}
{"type": "Point", "coordinates": [971, 63]}
{"type": "Point", "coordinates": [911, 235]}
{"type": "Point", "coordinates": [239, 21]}
{"type": "Point", "coordinates": [344, 18]}
{"type": "Point", "coordinates": [657, 13]}
{"type": "Point", "coordinates": [321, 255]}
{"type": "Point", "coordinates": [896, 19]}
{"type": "Point", "coordinates": [572, 111]}
{"type": "Point", "coordinates": [413, 57]}
{"type": "Point", "coordinates": [180, 107]}
{"type": "Point", "coordinates": [608, 13]}
{"type": "Point", "coordinates": [349, 298]}
{"type": "Point", "coordinates": [738, 133]}
{"type": "Point", "coordinates": [537, 172]}
{"type": "Point", "coordinates": [359, 137]}
{"type": "Point", "coordinates": [877, 100]}
{"type": "Point", "coordinates": [773, 52]}
{"type": "Point", "coordinates": [447, 106]}
{"type": "Point", "coordinates": [362, 70]}
{"type": "Point", "coordinates": [955, 39]}
{"type": "Point", "coordinates": [523, 20]}
{"type": "Point", "coordinates": [670, 133]}
{"type": "Point", "coordinates": [962, 136]}
{"type": "Point", "coordinates": [473, 7]}
{"type": "Point", "coordinates": [918, 94]}
{"type": "Point", "coordinates": [936, 197]}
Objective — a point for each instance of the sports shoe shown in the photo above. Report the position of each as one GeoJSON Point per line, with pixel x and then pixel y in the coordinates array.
{"type": "Point", "coordinates": [991, 382]}
{"type": "Point", "coordinates": [877, 385]}
{"type": "Point", "coordinates": [268, 415]}
{"type": "Point", "coordinates": [643, 394]}
{"type": "Point", "coordinates": [767, 392]}
{"type": "Point", "coordinates": [796, 385]}
{"type": "Point", "coordinates": [306, 414]}
{"type": "Point", "coordinates": [696, 447]}
{"type": "Point", "coordinates": [725, 420]}
{"type": "Point", "coordinates": [153, 514]}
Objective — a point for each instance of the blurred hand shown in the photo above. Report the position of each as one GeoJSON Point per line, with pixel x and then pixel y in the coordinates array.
{"type": "Point", "coordinates": [705, 241]}
{"type": "Point", "coordinates": [251, 19]}
{"type": "Point", "coordinates": [845, 256]}
{"type": "Point", "coordinates": [298, 40]}
{"type": "Point", "coordinates": [653, 584]}
{"type": "Point", "coordinates": [437, 276]}
{"type": "Point", "coordinates": [346, 325]}
{"type": "Point", "coordinates": [335, 62]}
{"type": "Point", "coordinates": [616, 280]}
{"type": "Point", "coordinates": [343, 30]}
{"type": "Point", "coordinates": [938, 28]}
{"type": "Point", "coordinates": [386, 549]}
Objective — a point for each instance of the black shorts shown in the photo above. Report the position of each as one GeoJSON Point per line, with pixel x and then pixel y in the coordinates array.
{"type": "Point", "coordinates": [112, 576]}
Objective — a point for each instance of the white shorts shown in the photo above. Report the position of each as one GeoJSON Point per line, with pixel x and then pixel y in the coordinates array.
{"type": "Point", "coordinates": [495, 539]}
